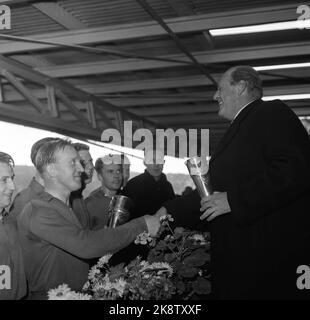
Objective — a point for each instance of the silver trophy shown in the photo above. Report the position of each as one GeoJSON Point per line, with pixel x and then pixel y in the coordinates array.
{"type": "Point", "coordinates": [198, 169]}
{"type": "Point", "coordinates": [119, 210]}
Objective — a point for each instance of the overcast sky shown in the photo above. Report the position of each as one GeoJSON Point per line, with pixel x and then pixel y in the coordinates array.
{"type": "Point", "coordinates": [17, 140]}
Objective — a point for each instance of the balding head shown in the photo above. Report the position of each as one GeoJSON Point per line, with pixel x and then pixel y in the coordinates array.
{"type": "Point", "coordinates": [251, 77]}
{"type": "Point", "coordinates": [237, 87]}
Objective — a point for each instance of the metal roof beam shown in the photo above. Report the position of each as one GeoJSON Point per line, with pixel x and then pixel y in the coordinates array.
{"type": "Point", "coordinates": [13, 114]}
{"type": "Point", "coordinates": [176, 39]}
{"type": "Point", "coordinates": [197, 23]}
{"type": "Point", "coordinates": [60, 15]}
{"type": "Point", "coordinates": [211, 57]}
{"type": "Point", "coordinates": [27, 94]}
{"type": "Point", "coordinates": [144, 100]}
{"type": "Point", "coordinates": [154, 84]}
{"type": "Point", "coordinates": [37, 77]}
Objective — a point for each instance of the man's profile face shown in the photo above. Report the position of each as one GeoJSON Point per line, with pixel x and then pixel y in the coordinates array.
{"type": "Point", "coordinates": [111, 176]}
{"type": "Point", "coordinates": [87, 163]}
{"type": "Point", "coordinates": [226, 96]}
{"type": "Point", "coordinates": [7, 186]}
{"type": "Point", "coordinates": [68, 169]}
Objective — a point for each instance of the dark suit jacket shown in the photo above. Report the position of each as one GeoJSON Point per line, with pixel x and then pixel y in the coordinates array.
{"type": "Point", "coordinates": [11, 256]}
{"type": "Point", "coordinates": [33, 191]}
{"type": "Point", "coordinates": [147, 194]}
{"type": "Point", "coordinates": [79, 208]}
{"type": "Point", "coordinates": [263, 163]}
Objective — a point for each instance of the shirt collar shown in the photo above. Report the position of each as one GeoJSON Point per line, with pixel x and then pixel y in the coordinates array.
{"type": "Point", "coordinates": [243, 108]}
{"type": "Point", "coordinates": [36, 186]}
{"type": "Point", "coordinates": [107, 196]}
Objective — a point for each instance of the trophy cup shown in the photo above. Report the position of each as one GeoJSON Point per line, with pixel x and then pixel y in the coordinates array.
{"type": "Point", "coordinates": [198, 169]}
{"type": "Point", "coordinates": [119, 210]}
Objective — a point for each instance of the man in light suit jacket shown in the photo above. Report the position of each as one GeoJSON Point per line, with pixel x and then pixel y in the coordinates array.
{"type": "Point", "coordinates": [53, 240]}
{"type": "Point", "coordinates": [259, 217]}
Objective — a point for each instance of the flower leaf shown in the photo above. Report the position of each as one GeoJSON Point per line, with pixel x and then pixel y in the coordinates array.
{"type": "Point", "coordinates": [188, 272]}
{"type": "Point", "coordinates": [197, 259]}
{"type": "Point", "coordinates": [202, 286]}
{"type": "Point", "coordinates": [169, 257]}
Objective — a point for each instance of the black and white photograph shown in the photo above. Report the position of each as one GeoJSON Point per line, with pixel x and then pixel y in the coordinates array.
{"type": "Point", "coordinates": [154, 154]}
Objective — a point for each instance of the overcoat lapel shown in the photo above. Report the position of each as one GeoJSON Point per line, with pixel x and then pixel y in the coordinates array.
{"type": "Point", "coordinates": [234, 128]}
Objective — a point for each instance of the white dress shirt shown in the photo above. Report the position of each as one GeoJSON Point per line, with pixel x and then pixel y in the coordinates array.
{"type": "Point", "coordinates": [243, 108]}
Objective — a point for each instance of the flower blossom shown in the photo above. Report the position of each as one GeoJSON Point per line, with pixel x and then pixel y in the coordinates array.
{"type": "Point", "coordinates": [103, 260]}
{"type": "Point", "coordinates": [143, 238]}
{"type": "Point", "coordinates": [105, 284]}
{"type": "Point", "coordinates": [198, 238]}
{"type": "Point", "coordinates": [63, 292]}
{"type": "Point", "coordinates": [166, 217]}
{"type": "Point", "coordinates": [159, 267]}
{"type": "Point", "coordinates": [93, 272]}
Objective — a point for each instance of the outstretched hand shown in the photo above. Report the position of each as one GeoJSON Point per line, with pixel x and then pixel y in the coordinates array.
{"type": "Point", "coordinates": [153, 224]}
{"type": "Point", "coordinates": [214, 206]}
{"type": "Point", "coordinates": [161, 212]}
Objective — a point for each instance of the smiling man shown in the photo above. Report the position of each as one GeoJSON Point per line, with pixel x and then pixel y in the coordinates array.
{"type": "Point", "coordinates": [76, 199]}
{"type": "Point", "coordinates": [55, 244]}
{"type": "Point", "coordinates": [259, 215]}
{"type": "Point", "coordinates": [86, 161]}
{"type": "Point", "coordinates": [36, 185]}
{"type": "Point", "coordinates": [110, 176]}
{"type": "Point", "coordinates": [12, 276]}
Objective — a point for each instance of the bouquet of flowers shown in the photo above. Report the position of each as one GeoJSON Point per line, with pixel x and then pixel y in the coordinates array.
{"type": "Point", "coordinates": [177, 267]}
{"type": "Point", "coordinates": [188, 254]}
{"type": "Point", "coordinates": [63, 292]}
{"type": "Point", "coordinates": [139, 280]}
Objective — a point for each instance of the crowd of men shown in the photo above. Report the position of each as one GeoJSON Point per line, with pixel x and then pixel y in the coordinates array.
{"type": "Point", "coordinates": [258, 215]}
{"type": "Point", "coordinates": [52, 235]}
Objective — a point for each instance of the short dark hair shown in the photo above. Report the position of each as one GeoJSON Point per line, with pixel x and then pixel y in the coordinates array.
{"type": "Point", "coordinates": [6, 158]}
{"type": "Point", "coordinates": [37, 145]}
{"type": "Point", "coordinates": [80, 146]}
{"type": "Point", "coordinates": [251, 76]}
{"type": "Point", "coordinates": [107, 159]}
{"type": "Point", "coordinates": [47, 153]}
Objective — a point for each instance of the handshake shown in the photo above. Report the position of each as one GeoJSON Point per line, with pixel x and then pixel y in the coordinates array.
{"type": "Point", "coordinates": [153, 222]}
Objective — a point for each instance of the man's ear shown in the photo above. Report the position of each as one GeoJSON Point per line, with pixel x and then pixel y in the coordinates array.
{"type": "Point", "coordinates": [51, 170]}
{"type": "Point", "coordinates": [242, 87]}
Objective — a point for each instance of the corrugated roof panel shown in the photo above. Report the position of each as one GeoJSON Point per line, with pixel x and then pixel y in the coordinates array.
{"type": "Point", "coordinates": [106, 12]}
{"type": "Point", "coordinates": [28, 20]}
{"type": "Point", "coordinates": [203, 6]}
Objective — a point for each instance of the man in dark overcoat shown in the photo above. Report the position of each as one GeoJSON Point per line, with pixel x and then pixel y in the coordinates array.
{"type": "Point", "coordinates": [259, 216]}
